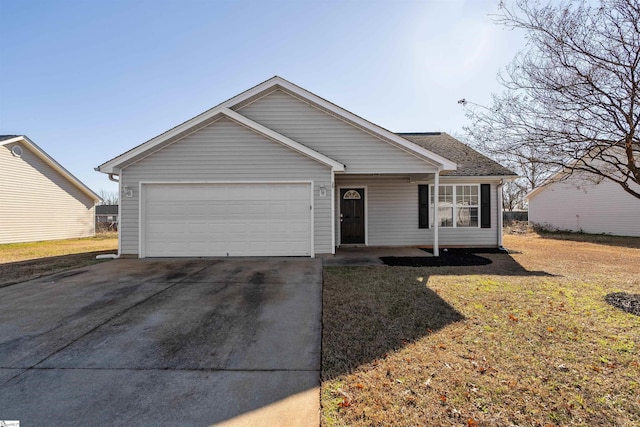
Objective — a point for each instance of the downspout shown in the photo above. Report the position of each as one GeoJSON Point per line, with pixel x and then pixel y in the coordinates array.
{"type": "Point", "coordinates": [436, 219]}
{"type": "Point", "coordinates": [111, 178]}
{"type": "Point", "coordinates": [499, 210]}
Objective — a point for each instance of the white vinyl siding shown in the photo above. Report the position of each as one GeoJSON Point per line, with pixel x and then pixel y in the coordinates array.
{"type": "Point", "coordinates": [225, 151]}
{"type": "Point", "coordinates": [360, 151]}
{"type": "Point", "coordinates": [392, 215]}
{"type": "Point", "coordinates": [38, 203]}
{"type": "Point", "coordinates": [583, 205]}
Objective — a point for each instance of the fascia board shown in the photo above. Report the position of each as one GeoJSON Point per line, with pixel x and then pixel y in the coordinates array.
{"type": "Point", "coordinates": [303, 93]}
{"type": "Point", "coordinates": [33, 147]}
{"type": "Point", "coordinates": [117, 162]}
{"type": "Point", "coordinates": [478, 177]}
{"type": "Point", "coordinates": [472, 178]}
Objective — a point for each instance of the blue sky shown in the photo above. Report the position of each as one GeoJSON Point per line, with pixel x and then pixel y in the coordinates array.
{"type": "Point", "coordinates": [88, 80]}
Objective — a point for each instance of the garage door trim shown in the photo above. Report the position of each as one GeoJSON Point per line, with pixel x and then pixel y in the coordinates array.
{"type": "Point", "coordinates": [142, 210]}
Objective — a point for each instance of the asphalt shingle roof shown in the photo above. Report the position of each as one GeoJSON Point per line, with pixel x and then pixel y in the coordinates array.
{"type": "Point", "coordinates": [470, 162]}
{"type": "Point", "coordinates": [3, 137]}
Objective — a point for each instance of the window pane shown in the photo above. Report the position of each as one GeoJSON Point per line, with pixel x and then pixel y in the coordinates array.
{"type": "Point", "coordinates": [445, 206]}
{"type": "Point", "coordinates": [445, 216]}
{"type": "Point", "coordinates": [445, 194]}
{"type": "Point", "coordinates": [467, 195]}
{"type": "Point", "coordinates": [467, 217]}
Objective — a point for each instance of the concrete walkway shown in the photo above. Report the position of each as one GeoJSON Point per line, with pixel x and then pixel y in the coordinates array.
{"type": "Point", "coordinates": [164, 342]}
{"type": "Point", "coordinates": [346, 256]}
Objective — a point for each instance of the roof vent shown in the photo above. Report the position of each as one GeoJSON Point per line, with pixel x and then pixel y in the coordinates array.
{"type": "Point", "coordinates": [16, 150]}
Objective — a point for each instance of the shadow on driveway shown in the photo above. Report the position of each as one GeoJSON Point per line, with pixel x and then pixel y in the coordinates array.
{"type": "Point", "coordinates": [21, 271]}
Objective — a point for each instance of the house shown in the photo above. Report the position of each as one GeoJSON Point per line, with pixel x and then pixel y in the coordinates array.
{"type": "Point", "coordinates": [583, 203]}
{"type": "Point", "coordinates": [107, 217]}
{"type": "Point", "coordinates": [39, 199]}
{"type": "Point", "coordinates": [277, 170]}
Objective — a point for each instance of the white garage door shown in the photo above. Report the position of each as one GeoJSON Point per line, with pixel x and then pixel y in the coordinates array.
{"type": "Point", "coordinates": [226, 220]}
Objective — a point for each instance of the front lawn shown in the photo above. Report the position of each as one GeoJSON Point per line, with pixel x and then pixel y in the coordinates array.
{"type": "Point", "coordinates": [527, 340]}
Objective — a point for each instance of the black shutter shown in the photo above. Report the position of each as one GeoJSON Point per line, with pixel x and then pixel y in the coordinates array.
{"type": "Point", "coordinates": [485, 205]}
{"type": "Point", "coordinates": [423, 206]}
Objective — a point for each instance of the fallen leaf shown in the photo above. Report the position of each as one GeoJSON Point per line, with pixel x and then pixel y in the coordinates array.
{"type": "Point", "coordinates": [550, 329]}
{"type": "Point", "coordinates": [513, 318]}
{"type": "Point", "coordinates": [359, 386]}
{"type": "Point", "coordinates": [345, 403]}
{"type": "Point", "coordinates": [472, 423]}
{"type": "Point", "coordinates": [443, 398]}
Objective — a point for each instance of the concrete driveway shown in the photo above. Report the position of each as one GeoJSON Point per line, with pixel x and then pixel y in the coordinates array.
{"type": "Point", "coordinates": [164, 342]}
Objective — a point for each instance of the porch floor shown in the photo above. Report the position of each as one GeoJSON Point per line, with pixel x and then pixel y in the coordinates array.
{"type": "Point", "coordinates": [369, 255]}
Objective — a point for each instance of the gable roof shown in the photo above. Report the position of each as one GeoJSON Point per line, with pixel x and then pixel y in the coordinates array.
{"type": "Point", "coordinates": [203, 120]}
{"type": "Point", "coordinates": [227, 108]}
{"type": "Point", "coordinates": [23, 140]}
{"type": "Point", "coordinates": [470, 162]}
{"type": "Point", "coordinates": [278, 82]}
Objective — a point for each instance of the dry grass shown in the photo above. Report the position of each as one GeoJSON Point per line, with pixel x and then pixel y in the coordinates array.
{"type": "Point", "coordinates": [25, 261]}
{"type": "Point", "coordinates": [527, 340]}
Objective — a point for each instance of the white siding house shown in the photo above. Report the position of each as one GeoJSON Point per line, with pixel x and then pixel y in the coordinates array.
{"type": "Point", "coordinates": [39, 199]}
{"type": "Point", "coordinates": [583, 204]}
{"type": "Point", "coordinates": [278, 170]}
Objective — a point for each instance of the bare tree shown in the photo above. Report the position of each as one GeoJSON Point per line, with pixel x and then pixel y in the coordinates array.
{"type": "Point", "coordinates": [513, 195]}
{"type": "Point", "coordinates": [108, 197]}
{"type": "Point", "coordinates": [571, 99]}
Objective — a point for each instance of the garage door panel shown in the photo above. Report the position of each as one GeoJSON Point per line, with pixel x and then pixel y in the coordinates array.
{"type": "Point", "coordinates": [227, 219]}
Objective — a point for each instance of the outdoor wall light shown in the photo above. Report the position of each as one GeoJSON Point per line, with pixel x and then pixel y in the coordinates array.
{"type": "Point", "coordinates": [127, 192]}
{"type": "Point", "coordinates": [323, 191]}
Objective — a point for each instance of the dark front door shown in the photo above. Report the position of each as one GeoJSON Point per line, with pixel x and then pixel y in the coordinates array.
{"type": "Point", "coordinates": [352, 215]}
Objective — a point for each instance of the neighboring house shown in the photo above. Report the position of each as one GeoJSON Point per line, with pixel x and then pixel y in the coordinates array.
{"type": "Point", "coordinates": [278, 170]}
{"type": "Point", "coordinates": [107, 217]}
{"type": "Point", "coordinates": [39, 199]}
{"type": "Point", "coordinates": [583, 203]}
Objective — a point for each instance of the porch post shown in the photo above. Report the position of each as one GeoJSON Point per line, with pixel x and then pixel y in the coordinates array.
{"type": "Point", "coordinates": [436, 219]}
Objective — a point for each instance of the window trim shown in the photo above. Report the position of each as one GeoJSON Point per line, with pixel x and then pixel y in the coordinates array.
{"type": "Point", "coordinates": [454, 219]}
